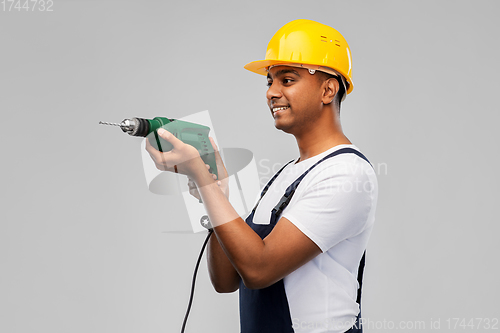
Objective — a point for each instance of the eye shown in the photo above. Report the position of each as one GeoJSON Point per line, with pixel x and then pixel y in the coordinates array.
{"type": "Point", "coordinates": [269, 83]}
{"type": "Point", "coordinates": [287, 81]}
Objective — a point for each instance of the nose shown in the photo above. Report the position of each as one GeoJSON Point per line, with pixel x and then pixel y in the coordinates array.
{"type": "Point", "coordinates": [273, 92]}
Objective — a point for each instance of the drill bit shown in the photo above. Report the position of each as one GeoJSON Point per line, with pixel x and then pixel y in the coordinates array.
{"type": "Point", "coordinates": [133, 126]}
{"type": "Point", "coordinates": [106, 123]}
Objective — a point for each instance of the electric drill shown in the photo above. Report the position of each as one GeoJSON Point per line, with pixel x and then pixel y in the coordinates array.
{"type": "Point", "coordinates": [193, 134]}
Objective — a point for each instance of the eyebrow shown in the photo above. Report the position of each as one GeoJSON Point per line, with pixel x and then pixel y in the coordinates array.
{"type": "Point", "coordinates": [283, 72]}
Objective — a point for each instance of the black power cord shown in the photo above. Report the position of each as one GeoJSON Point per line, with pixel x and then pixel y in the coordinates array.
{"type": "Point", "coordinates": [194, 280]}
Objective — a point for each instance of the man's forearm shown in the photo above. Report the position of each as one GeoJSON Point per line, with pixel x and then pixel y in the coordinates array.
{"type": "Point", "coordinates": [224, 277]}
{"type": "Point", "coordinates": [241, 245]}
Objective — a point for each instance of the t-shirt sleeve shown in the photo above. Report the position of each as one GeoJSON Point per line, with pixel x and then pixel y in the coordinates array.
{"type": "Point", "coordinates": [333, 205]}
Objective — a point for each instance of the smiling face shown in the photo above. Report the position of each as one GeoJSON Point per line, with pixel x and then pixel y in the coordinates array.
{"type": "Point", "coordinates": [295, 98]}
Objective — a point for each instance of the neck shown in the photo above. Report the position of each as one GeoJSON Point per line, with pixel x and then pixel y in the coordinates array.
{"type": "Point", "coordinates": [320, 136]}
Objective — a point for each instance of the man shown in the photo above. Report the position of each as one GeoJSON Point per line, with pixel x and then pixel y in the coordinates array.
{"type": "Point", "coordinates": [296, 258]}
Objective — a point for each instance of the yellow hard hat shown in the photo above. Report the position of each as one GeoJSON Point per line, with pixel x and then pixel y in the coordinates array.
{"type": "Point", "coordinates": [307, 44]}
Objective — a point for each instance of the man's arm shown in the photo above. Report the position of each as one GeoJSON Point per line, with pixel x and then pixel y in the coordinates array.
{"type": "Point", "coordinates": [259, 262]}
{"type": "Point", "coordinates": [223, 276]}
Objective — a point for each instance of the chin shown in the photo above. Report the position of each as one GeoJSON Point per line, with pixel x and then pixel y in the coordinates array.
{"type": "Point", "coordinates": [283, 127]}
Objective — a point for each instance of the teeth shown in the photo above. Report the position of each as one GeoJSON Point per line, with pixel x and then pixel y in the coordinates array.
{"type": "Point", "coordinates": [278, 109]}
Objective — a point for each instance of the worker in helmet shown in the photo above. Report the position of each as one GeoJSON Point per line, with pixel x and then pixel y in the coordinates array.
{"type": "Point", "coordinates": [298, 257]}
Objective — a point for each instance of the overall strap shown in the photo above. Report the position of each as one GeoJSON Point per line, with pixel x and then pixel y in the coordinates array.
{"type": "Point", "coordinates": [269, 184]}
{"type": "Point", "coordinates": [361, 268]}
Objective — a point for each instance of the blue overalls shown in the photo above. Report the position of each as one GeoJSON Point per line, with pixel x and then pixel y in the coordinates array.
{"type": "Point", "coordinates": [266, 310]}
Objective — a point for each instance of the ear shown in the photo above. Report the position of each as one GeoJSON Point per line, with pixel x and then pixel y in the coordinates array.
{"type": "Point", "coordinates": [330, 89]}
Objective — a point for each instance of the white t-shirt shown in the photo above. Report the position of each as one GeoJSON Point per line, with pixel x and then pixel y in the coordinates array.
{"type": "Point", "coordinates": [334, 206]}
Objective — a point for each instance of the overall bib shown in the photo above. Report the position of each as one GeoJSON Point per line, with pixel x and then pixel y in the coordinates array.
{"type": "Point", "coordinates": [266, 310]}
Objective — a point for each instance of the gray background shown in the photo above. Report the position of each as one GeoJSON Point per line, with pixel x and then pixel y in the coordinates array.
{"type": "Point", "coordinates": [83, 246]}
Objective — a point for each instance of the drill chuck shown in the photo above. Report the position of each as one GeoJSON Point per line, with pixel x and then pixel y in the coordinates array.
{"type": "Point", "coordinates": [135, 126]}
